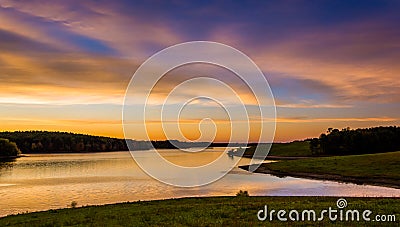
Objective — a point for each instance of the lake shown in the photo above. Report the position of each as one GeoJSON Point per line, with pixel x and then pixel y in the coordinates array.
{"type": "Point", "coordinates": [50, 181]}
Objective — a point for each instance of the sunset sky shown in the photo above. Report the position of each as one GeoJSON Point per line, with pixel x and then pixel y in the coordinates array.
{"type": "Point", "coordinates": [65, 65]}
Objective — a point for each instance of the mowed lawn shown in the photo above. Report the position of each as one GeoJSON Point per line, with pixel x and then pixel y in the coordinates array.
{"type": "Point", "coordinates": [209, 211]}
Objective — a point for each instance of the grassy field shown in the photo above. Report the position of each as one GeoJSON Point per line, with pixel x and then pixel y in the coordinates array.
{"type": "Point", "coordinates": [380, 168]}
{"type": "Point", "coordinates": [211, 211]}
{"type": "Point", "coordinates": [292, 149]}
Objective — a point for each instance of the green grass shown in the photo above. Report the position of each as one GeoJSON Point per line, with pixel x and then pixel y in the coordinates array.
{"type": "Point", "coordinates": [292, 149]}
{"type": "Point", "coordinates": [370, 167]}
{"type": "Point", "coordinates": [211, 211]}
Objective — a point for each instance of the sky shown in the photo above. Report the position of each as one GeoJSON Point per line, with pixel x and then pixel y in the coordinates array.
{"type": "Point", "coordinates": [65, 65]}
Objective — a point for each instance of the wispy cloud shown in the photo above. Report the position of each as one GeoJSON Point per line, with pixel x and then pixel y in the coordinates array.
{"type": "Point", "coordinates": [63, 79]}
{"type": "Point", "coordinates": [105, 22]}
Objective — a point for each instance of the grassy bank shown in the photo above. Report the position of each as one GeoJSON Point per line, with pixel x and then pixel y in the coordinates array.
{"type": "Point", "coordinates": [377, 169]}
{"type": "Point", "coordinates": [214, 211]}
{"type": "Point", "coordinates": [292, 149]}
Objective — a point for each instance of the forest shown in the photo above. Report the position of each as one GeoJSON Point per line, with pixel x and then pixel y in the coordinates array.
{"type": "Point", "coordinates": [65, 142]}
{"type": "Point", "coordinates": [49, 142]}
{"type": "Point", "coordinates": [356, 141]}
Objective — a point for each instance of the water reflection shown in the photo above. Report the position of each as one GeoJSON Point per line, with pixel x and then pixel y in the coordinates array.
{"type": "Point", "coordinates": [42, 182]}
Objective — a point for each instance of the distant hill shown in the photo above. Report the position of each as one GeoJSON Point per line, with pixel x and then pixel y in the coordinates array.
{"type": "Point", "coordinates": [65, 142]}
{"type": "Point", "coordinates": [49, 142]}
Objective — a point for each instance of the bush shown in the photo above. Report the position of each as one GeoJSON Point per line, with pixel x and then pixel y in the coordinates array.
{"type": "Point", "coordinates": [74, 204]}
{"type": "Point", "coordinates": [242, 193]}
{"type": "Point", "coordinates": [8, 148]}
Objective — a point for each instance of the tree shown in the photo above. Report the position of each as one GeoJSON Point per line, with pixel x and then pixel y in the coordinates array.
{"type": "Point", "coordinates": [8, 148]}
{"type": "Point", "coordinates": [357, 141]}
{"type": "Point", "coordinates": [315, 146]}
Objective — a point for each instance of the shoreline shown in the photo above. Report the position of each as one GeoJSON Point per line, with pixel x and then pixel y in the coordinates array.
{"type": "Point", "coordinates": [327, 177]}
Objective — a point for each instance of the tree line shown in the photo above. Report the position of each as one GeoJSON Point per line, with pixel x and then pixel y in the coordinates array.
{"type": "Point", "coordinates": [356, 141]}
{"type": "Point", "coordinates": [46, 142]}
{"type": "Point", "coordinates": [65, 142]}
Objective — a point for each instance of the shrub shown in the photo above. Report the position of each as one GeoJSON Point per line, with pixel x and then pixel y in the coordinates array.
{"type": "Point", "coordinates": [74, 204]}
{"type": "Point", "coordinates": [243, 193]}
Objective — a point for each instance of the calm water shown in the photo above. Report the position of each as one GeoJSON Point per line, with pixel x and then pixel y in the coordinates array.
{"type": "Point", "coordinates": [42, 182]}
